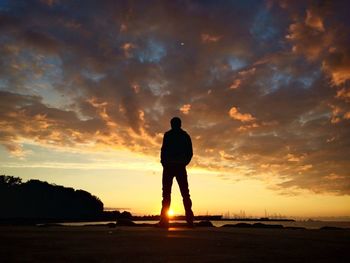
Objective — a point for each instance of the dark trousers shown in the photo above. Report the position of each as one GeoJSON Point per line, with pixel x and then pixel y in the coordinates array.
{"type": "Point", "coordinates": [179, 172]}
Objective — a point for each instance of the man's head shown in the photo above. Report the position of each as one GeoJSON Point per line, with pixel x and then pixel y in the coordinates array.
{"type": "Point", "coordinates": [175, 123]}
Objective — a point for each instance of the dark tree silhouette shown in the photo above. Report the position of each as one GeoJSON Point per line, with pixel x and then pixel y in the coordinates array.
{"type": "Point", "coordinates": [40, 200]}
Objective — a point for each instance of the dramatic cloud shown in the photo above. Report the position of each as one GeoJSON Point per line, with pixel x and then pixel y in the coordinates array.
{"type": "Point", "coordinates": [243, 117]}
{"type": "Point", "coordinates": [261, 86]}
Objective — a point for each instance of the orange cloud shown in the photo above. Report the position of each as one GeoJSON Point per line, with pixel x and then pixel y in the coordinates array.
{"type": "Point", "coordinates": [101, 108]}
{"type": "Point", "coordinates": [236, 83]}
{"type": "Point", "coordinates": [243, 75]}
{"type": "Point", "coordinates": [247, 72]}
{"type": "Point", "coordinates": [337, 64]}
{"type": "Point", "coordinates": [292, 158]}
{"type": "Point", "coordinates": [311, 38]}
{"type": "Point", "coordinates": [313, 20]}
{"type": "Point", "coordinates": [248, 127]}
{"type": "Point", "coordinates": [307, 41]}
{"type": "Point", "coordinates": [347, 115]}
{"type": "Point", "coordinates": [127, 47]}
{"type": "Point", "coordinates": [344, 94]}
{"type": "Point", "coordinates": [333, 176]}
{"type": "Point", "coordinates": [243, 117]}
{"type": "Point", "coordinates": [339, 114]}
{"type": "Point", "coordinates": [15, 150]}
{"type": "Point", "coordinates": [185, 109]}
{"type": "Point", "coordinates": [336, 114]}
{"type": "Point", "coordinates": [305, 167]}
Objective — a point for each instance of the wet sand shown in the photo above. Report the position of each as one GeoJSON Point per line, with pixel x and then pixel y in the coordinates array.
{"type": "Point", "coordinates": [150, 244]}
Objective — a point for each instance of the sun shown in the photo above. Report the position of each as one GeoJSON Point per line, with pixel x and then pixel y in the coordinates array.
{"type": "Point", "coordinates": [170, 213]}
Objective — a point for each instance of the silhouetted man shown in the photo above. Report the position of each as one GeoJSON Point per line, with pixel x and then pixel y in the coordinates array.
{"type": "Point", "coordinates": [176, 153]}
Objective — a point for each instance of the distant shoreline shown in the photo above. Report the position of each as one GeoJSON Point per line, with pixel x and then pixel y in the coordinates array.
{"type": "Point", "coordinates": [36, 221]}
{"type": "Point", "coordinates": [216, 218]}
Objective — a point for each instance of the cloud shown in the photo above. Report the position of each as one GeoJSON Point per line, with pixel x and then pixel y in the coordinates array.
{"type": "Point", "coordinates": [243, 117]}
{"type": "Point", "coordinates": [320, 35]}
{"type": "Point", "coordinates": [206, 38]}
{"type": "Point", "coordinates": [185, 109]}
{"type": "Point", "coordinates": [242, 75]}
{"type": "Point", "coordinates": [261, 88]}
{"type": "Point", "coordinates": [127, 47]}
{"type": "Point", "coordinates": [337, 65]}
{"type": "Point", "coordinates": [313, 20]}
{"type": "Point", "coordinates": [236, 83]}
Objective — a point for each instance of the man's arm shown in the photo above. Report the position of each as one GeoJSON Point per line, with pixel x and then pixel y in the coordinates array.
{"type": "Point", "coordinates": [189, 151]}
{"type": "Point", "coordinates": [163, 149]}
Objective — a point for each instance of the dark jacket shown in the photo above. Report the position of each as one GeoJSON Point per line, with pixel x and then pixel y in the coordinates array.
{"type": "Point", "coordinates": [176, 148]}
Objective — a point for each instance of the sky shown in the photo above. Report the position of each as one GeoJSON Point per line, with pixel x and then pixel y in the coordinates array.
{"type": "Point", "coordinates": [87, 89]}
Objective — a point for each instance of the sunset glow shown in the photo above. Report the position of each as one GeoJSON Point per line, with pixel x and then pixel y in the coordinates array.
{"type": "Point", "coordinates": [262, 87]}
{"type": "Point", "coordinates": [170, 213]}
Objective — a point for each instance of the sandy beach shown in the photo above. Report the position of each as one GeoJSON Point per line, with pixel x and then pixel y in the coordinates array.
{"type": "Point", "coordinates": [150, 244]}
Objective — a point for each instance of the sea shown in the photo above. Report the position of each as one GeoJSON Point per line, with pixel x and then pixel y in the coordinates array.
{"type": "Point", "coordinates": [308, 224]}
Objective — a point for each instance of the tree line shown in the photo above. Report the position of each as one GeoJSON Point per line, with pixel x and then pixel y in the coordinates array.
{"type": "Point", "coordinates": [36, 199]}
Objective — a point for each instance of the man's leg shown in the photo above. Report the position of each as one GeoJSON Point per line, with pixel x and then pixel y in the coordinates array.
{"type": "Point", "coordinates": [167, 182]}
{"type": "Point", "coordinates": [181, 178]}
